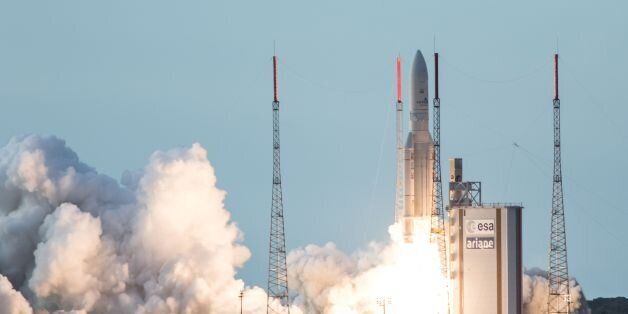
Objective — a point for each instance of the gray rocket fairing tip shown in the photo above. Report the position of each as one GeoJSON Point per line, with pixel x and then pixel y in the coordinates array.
{"type": "Point", "coordinates": [419, 94]}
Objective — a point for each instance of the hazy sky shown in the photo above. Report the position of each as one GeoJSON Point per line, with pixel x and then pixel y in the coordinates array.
{"type": "Point", "coordinates": [121, 79]}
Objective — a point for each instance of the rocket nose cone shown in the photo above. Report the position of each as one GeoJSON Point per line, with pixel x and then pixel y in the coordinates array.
{"type": "Point", "coordinates": [419, 68]}
{"type": "Point", "coordinates": [418, 94]}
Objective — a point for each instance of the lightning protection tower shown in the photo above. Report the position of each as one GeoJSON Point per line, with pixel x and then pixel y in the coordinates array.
{"type": "Point", "coordinates": [438, 215]}
{"type": "Point", "coordinates": [277, 268]}
{"type": "Point", "coordinates": [399, 191]}
{"type": "Point", "coordinates": [559, 299]}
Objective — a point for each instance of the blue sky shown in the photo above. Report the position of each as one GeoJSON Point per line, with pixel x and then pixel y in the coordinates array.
{"type": "Point", "coordinates": [121, 79]}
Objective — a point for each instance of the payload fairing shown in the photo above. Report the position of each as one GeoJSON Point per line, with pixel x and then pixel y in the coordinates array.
{"type": "Point", "coordinates": [418, 156]}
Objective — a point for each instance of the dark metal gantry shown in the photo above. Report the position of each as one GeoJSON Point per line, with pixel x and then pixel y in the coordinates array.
{"type": "Point", "coordinates": [277, 268]}
{"type": "Point", "coordinates": [559, 300]}
{"type": "Point", "coordinates": [438, 215]}
{"type": "Point", "coordinates": [468, 193]}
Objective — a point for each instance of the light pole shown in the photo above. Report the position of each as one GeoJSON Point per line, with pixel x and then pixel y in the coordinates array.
{"type": "Point", "coordinates": [241, 296]}
{"type": "Point", "coordinates": [383, 301]}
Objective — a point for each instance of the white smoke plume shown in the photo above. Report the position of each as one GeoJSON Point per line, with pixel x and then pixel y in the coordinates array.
{"type": "Point", "coordinates": [11, 301]}
{"type": "Point", "coordinates": [405, 277]}
{"type": "Point", "coordinates": [536, 293]}
{"type": "Point", "coordinates": [76, 240]}
{"type": "Point", "coordinates": [331, 282]}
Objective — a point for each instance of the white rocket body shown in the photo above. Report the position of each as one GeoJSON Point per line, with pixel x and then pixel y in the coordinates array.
{"type": "Point", "coordinates": [418, 156]}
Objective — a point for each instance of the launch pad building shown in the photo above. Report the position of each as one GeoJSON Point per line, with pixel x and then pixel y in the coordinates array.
{"type": "Point", "coordinates": [485, 251]}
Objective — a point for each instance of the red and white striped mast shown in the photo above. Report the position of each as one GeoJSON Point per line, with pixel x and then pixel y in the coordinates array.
{"type": "Point", "coordinates": [399, 187]}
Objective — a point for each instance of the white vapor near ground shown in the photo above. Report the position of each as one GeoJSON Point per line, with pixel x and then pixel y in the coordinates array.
{"type": "Point", "coordinates": [161, 241]}
{"type": "Point", "coordinates": [405, 276]}
{"type": "Point", "coordinates": [76, 240]}
{"type": "Point", "coordinates": [329, 281]}
{"type": "Point", "coordinates": [536, 293]}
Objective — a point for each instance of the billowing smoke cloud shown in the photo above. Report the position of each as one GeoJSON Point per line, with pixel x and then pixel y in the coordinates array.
{"type": "Point", "coordinates": [329, 281]}
{"type": "Point", "coordinates": [11, 301]}
{"type": "Point", "coordinates": [536, 293]}
{"type": "Point", "coordinates": [76, 240]}
{"type": "Point", "coordinates": [405, 277]}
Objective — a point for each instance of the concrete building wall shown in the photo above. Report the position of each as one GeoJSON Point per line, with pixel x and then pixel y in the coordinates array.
{"type": "Point", "coordinates": [485, 259]}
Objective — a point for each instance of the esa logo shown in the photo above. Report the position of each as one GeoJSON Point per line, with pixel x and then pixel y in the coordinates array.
{"type": "Point", "coordinates": [480, 226]}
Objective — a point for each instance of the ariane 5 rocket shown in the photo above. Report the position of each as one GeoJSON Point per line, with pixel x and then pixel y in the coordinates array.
{"type": "Point", "coordinates": [418, 163]}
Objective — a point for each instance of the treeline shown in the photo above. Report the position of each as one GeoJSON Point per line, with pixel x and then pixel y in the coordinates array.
{"type": "Point", "coordinates": [618, 305]}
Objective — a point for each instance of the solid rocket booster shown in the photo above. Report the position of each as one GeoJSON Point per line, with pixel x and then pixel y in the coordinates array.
{"type": "Point", "coordinates": [418, 155]}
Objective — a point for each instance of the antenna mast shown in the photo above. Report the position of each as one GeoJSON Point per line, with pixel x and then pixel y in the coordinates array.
{"type": "Point", "coordinates": [438, 215]}
{"type": "Point", "coordinates": [399, 194]}
{"type": "Point", "coordinates": [277, 268]}
{"type": "Point", "coordinates": [559, 298]}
